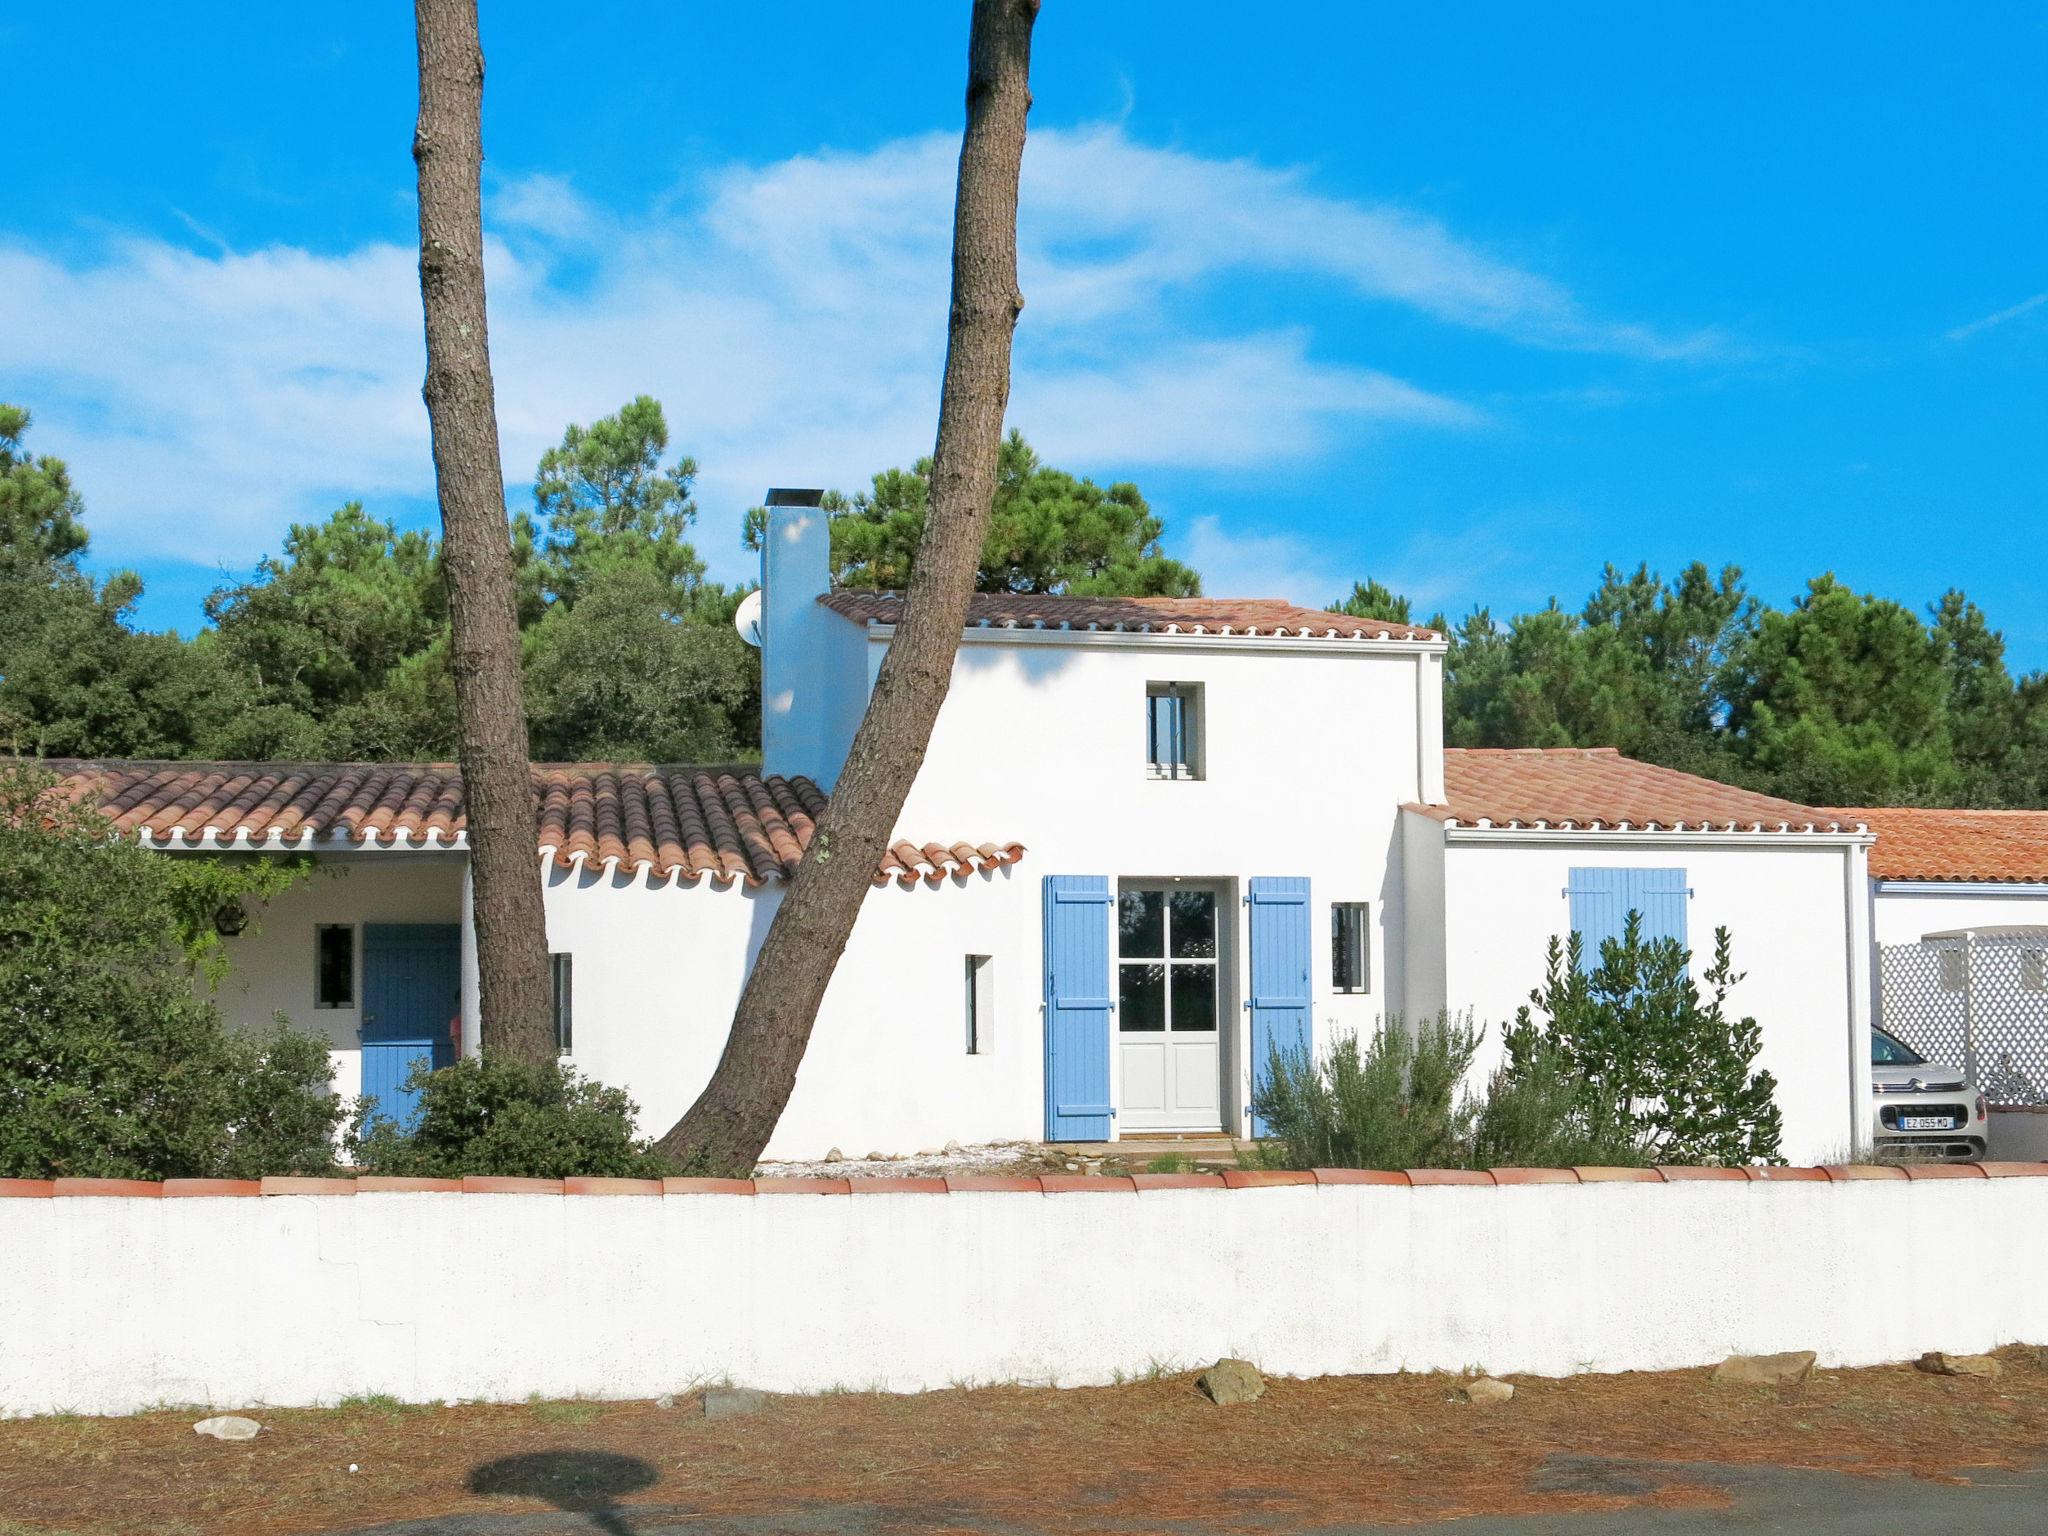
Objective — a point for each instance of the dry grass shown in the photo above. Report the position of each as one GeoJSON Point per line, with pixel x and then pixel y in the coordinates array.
{"type": "Point", "coordinates": [1380, 1448]}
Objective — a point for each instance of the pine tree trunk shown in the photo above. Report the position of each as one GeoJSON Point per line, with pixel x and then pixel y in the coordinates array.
{"type": "Point", "coordinates": [476, 550]}
{"type": "Point", "coordinates": [733, 1118]}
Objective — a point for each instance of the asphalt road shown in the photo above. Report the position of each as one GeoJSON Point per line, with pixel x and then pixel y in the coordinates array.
{"type": "Point", "coordinates": [1761, 1500]}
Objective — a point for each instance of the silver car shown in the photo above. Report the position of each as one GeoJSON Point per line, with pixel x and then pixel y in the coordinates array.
{"type": "Point", "coordinates": [1923, 1110]}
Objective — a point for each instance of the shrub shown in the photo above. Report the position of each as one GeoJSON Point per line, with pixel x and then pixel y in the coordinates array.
{"type": "Point", "coordinates": [113, 1059]}
{"type": "Point", "coordinates": [1662, 1067]}
{"type": "Point", "coordinates": [1538, 1115]}
{"type": "Point", "coordinates": [1392, 1102]}
{"type": "Point", "coordinates": [497, 1115]}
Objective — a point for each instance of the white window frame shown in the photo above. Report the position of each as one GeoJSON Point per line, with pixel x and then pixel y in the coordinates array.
{"type": "Point", "coordinates": [1194, 731]}
{"type": "Point", "coordinates": [1362, 980]}
{"type": "Point", "coordinates": [980, 1003]}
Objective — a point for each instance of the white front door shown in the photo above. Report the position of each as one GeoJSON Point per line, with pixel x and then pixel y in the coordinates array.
{"type": "Point", "coordinates": [1167, 1010]}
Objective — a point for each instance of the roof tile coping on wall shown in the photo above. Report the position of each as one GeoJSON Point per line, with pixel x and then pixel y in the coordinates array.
{"type": "Point", "coordinates": [1051, 1183]}
{"type": "Point", "coordinates": [677, 822]}
{"type": "Point", "coordinates": [1214, 617]}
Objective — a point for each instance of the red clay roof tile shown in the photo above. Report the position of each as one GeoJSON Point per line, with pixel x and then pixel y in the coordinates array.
{"type": "Point", "coordinates": [729, 823]}
{"type": "Point", "coordinates": [1582, 788]}
{"type": "Point", "coordinates": [1914, 843]}
{"type": "Point", "coordinates": [1233, 616]}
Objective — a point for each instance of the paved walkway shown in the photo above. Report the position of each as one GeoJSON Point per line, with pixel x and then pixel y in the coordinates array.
{"type": "Point", "coordinates": [1763, 1501]}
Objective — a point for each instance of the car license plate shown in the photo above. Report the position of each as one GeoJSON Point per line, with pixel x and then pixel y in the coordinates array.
{"type": "Point", "coordinates": [1927, 1122]}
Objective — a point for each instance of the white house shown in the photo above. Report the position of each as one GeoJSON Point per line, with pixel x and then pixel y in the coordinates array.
{"type": "Point", "coordinates": [1152, 839]}
{"type": "Point", "coordinates": [1959, 913]}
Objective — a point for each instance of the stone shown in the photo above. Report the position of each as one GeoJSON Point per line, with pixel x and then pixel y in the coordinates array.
{"type": "Point", "coordinates": [733, 1402]}
{"type": "Point", "coordinates": [876, 1157]}
{"type": "Point", "coordinates": [927, 1151]}
{"type": "Point", "coordinates": [1935, 1363]}
{"type": "Point", "coordinates": [835, 1156]}
{"type": "Point", "coordinates": [1485, 1389]}
{"type": "Point", "coordinates": [953, 1146]}
{"type": "Point", "coordinates": [1231, 1381]}
{"type": "Point", "coordinates": [666, 1400]}
{"type": "Point", "coordinates": [228, 1426]}
{"type": "Point", "coordinates": [1793, 1365]}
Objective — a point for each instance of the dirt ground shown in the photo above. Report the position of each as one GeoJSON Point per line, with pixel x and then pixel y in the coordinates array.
{"type": "Point", "coordinates": [1343, 1449]}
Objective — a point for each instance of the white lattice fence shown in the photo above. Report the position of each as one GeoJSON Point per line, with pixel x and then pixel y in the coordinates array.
{"type": "Point", "coordinates": [1978, 1002]}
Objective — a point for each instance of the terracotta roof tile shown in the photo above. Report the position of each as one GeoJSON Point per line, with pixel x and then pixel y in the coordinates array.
{"type": "Point", "coordinates": [728, 823]}
{"type": "Point", "coordinates": [1915, 843]}
{"type": "Point", "coordinates": [1596, 788]}
{"type": "Point", "coordinates": [1233, 616]}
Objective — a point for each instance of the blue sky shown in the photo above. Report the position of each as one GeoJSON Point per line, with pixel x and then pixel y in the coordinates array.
{"type": "Point", "coordinates": [1468, 300]}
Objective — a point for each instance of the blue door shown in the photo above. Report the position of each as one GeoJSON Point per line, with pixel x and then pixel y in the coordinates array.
{"type": "Point", "coordinates": [412, 998]}
{"type": "Point", "coordinates": [1077, 1006]}
{"type": "Point", "coordinates": [1280, 990]}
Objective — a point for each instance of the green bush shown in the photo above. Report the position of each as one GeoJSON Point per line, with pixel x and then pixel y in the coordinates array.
{"type": "Point", "coordinates": [1538, 1115]}
{"type": "Point", "coordinates": [113, 1059]}
{"type": "Point", "coordinates": [497, 1115]}
{"type": "Point", "coordinates": [1392, 1102]}
{"type": "Point", "coordinates": [1661, 1066]}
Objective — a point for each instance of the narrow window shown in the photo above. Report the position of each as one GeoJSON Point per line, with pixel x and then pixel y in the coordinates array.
{"type": "Point", "coordinates": [1350, 946]}
{"type": "Point", "coordinates": [334, 966]}
{"type": "Point", "coordinates": [1173, 730]}
{"type": "Point", "coordinates": [981, 1019]}
{"type": "Point", "coordinates": [561, 972]}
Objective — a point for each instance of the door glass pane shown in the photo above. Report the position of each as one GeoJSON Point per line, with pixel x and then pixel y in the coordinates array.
{"type": "Point", "coordinates": [1141, 924]}
{"type": "Point", "coordinates": [1194, 999]}
{"type": "Point", "coordinates": [1194, 925]}
{"type": "Point", "coordinates": [1141, 997]}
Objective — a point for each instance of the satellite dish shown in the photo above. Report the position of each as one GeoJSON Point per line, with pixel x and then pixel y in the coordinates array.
{"type": "Point", "coordinates": [747, 619]}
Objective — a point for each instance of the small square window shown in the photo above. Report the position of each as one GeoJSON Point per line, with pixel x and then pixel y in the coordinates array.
{"type": "Point", "coordinates": [981, 1017]}
{"type": "Point", "coordinates": [1350, 946]}
{"type": "Point", "coordinates": [561, 971]}
{"type": "Point", "coordinates": [1173, 730]}
{"type": "Point", "coordinates": [334, 966]}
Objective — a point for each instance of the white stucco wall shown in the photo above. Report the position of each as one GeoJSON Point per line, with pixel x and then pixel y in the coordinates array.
{"type": "Point", "coordinates": [271, 965]}
{"type": "Point", "coordinates": [1903, 913]}
{"type": "Point", "coordinates": [1309, 751]}
{"type": "Point", "coordinates": [659, 969]}
{"type": "Point", "coordinates": [1785, 902]}
{"type": "Point", "coordinates": [116, 1305]}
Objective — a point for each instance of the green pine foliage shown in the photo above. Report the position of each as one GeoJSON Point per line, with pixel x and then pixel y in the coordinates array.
{"type": "Point", "coordinates": [1050, 532]}
{"type": "Point", "coordinates": [337, 647]}
{"type": "Point", "coordinates": [1660, 1064]}
{"type": "Point", "coordinates": [500, 1116]}
{"type": "Point", "coordinates": [113, 1059]}
{"type": "Point", "coordinates": [1841, 699]}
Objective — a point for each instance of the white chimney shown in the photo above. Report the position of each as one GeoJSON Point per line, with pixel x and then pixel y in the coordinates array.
{"type": "Point", "coordinates": [809, 655]}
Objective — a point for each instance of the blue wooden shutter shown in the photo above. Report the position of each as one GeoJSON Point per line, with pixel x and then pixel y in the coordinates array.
{"type": "Point", "coordinates": [1280, 991]}
{"type": "Point", "coordinates": [1077, 1007]}
{"type": "Point", "coordinates": [1603, 898]}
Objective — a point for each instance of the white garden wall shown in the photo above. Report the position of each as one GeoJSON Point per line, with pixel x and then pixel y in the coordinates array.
{"type": "Point", "coordinates": [110, 1305]}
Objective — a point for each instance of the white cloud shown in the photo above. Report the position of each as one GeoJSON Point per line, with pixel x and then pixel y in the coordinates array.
{"type": "Point", "coordinates": [791, 317]}
{"type": "Point", "coordinates": [2012, 312]}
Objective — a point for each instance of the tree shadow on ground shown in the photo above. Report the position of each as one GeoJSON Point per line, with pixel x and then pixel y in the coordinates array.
{"type": "Point", "coordinates": [577, 1482]}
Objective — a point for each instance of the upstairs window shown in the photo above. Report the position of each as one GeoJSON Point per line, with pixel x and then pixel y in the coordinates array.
{"type": "Point", "coordinates": [1173, 730]}
{"type": "Point", "coordinates": [1350, 946]}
